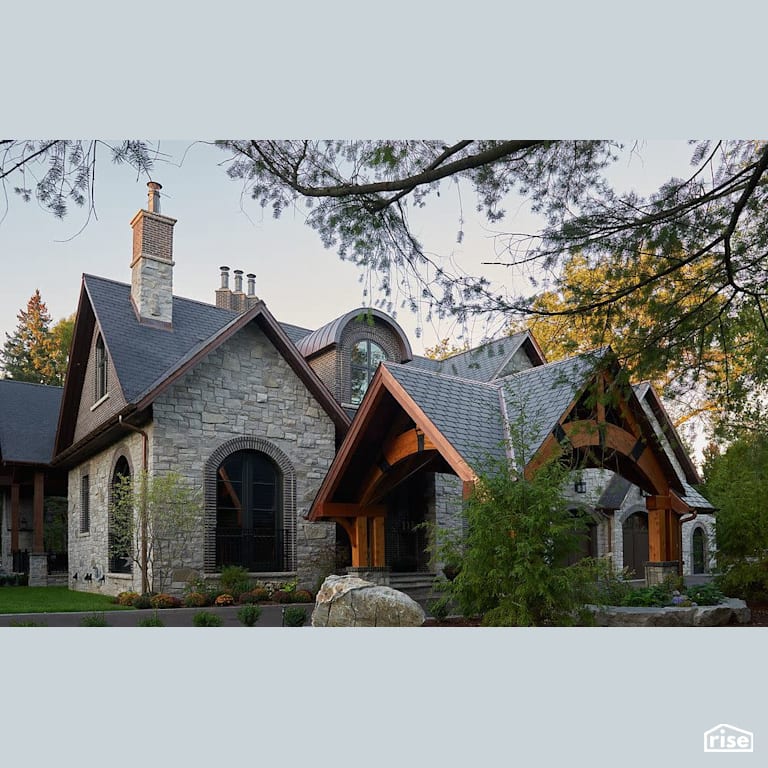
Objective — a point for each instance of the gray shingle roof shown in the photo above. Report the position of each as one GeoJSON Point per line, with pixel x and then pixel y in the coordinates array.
{"type": "Point", "coordinates": [142, 355]}
{"type": "Point", "coordinates": [480, 364]}
{"type": "Point", "coordinates": [537, 397]}
{"type": "Point", "coordinates": [694, 499]}
{"type": "Point", "coordinates": [614, 494]}
{"type": "Point", "coordinates": [29, 414]}
{"type": "Point", "coordinates": [466, 412]}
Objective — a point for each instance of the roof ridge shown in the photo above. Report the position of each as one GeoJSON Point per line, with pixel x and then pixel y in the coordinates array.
{"type": "Point", "coordinates": [31, 383]}
{"type": "Point", "coordinates": [594, 352]}
{"type": "Point", "coordinates": [480, 346]}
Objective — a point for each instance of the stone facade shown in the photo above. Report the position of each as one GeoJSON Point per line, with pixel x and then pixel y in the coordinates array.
{"type": "Point", "coordinates": [89, 550]}
{"type": "Point", "coordinates": [245, 390]}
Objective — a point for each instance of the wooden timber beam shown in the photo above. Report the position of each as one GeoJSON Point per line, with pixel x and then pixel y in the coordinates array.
{"type": "Point", "coordinates": [396, 449]}
{"type": "Point", "coordinates": [15, 517]}
{"type": "Point", "coordinates": [38, 537]}
{"type": "Point", "coordinates": [336, 510]}
{"type": "Point", "coordinates": [587, 433]}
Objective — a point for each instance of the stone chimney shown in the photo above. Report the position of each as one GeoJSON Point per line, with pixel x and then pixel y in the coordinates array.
{"type": "Point", "coordinates": [152, 263]}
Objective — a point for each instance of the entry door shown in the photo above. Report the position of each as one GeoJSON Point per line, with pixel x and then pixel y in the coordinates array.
{"type": "Point", "coordinates": [636, 543]}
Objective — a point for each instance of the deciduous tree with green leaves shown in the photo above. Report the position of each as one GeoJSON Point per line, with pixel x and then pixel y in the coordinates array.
{"type": "Point", "coordinates": [156, 519]}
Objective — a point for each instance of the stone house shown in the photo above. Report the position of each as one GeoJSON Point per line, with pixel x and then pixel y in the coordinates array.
{"type": "Point", "coordinates": [322, 450]}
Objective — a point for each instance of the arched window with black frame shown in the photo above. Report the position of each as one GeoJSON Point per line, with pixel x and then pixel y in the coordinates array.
{"type": "Point", "coordinates": [250, 529]}
{"type": "Point", "coordinates": [100, 372]}
{"type": "Point", "coordinates": [366, 356]}
{"type": "Point", "coordinates": [121, 523]}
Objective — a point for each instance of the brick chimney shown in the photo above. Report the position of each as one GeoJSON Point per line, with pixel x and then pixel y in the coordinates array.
{"type": "Point", "coordinates": [223, 293]}
{"type": "Point", "coordinates": [152, 263]}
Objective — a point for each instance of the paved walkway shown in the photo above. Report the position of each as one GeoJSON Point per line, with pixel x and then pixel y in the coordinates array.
{"type": "Point", "coordinates": [271, 616]}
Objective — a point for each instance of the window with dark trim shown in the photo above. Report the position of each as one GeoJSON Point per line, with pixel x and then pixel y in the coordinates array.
{"type": "Point", "coordinates": [85, 504]}
{"type": "Point", "coordinates": [120, 520]}
{"type": "Point", "coordinates": [249, 519]}
{"type": "Point", "coordinates": [366, 356]}
{"type": "Point", "coordinates": [101, 369]}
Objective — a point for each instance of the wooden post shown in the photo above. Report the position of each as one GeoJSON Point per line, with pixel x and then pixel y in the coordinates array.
{"type": "Point", "coordinates": [15, 514]}
{"type": "Point", "coordinates": [657, 535]}
{"type": "Point", "coordinates": [360, 544]}
{"type": "Point", "coordinates": [38, 538]}
{"type": "Point", "coordinates": [377, 542]}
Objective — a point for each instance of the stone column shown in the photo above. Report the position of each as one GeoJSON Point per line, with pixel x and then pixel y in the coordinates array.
{"type": "Point", "coordinates": [38, 569]}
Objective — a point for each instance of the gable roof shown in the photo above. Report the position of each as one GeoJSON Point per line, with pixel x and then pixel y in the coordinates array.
{"type": "Point", "coordinates": [483, 363]}
{"type": "Point", "coordinates": [28, 416]}
{"type": "Point", "coordinates": [147, 359]}
{"type": "Point", "coordinates": [467, 413]}
{"type": "Point", "coordinates": [536, 398]}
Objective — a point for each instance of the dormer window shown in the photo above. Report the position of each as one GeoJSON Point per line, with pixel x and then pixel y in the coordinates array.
{"type": "Point", "coordinates": [101, 369]}
{"type": "Point", "coordinates": [366, 355]}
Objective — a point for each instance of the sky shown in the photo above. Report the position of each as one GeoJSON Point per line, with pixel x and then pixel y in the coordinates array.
{"type": "Point", "coordinates": [301, 282]}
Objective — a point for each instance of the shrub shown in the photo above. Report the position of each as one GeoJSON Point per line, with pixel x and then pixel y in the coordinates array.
{"type": "Point", "coordinates": [126, 598]}
{"type": "Point", "coordinates": [705, 594]}
{"type": "Point", "coordinates": [234, 580]}
{"type": "Point", "coordinates": [648, 597]}
{"type": "Point", "coordinates": [94, 620]}
{"type": "Point", "coordinates": [196, 600]}
{"type": "Point", "coordinates": [745, 580]}
{"type": "Point", "coordinates": [302, 596]}
{"type": "Point", "coordinates": [256, 595]}
{"type": "Point", "coordinates": [206, 619]}
{"type": "Point", "coordinates": [281, 596]}
{"type": "Point", "coordinates": [143, 601]}
{"type": "Point", "coordinates": [152, 621]}
{"type": "Point", "coordinates": [294, 616]}
{"type": "Point", "coordinates": [439, 608]}
{"type": "Point", "coordinates": [164, 601]}
{"type": "Point", "coordinates": [224, 600]}
{"type": "Point", "coordinates": [249, 614]}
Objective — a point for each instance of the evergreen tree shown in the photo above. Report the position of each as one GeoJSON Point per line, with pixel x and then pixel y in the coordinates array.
{"type": "Point", "coordinates": [33, 352]}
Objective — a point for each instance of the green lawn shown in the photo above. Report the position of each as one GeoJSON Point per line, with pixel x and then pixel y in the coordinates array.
{"type": "Point", "coordinates": [53, 600]}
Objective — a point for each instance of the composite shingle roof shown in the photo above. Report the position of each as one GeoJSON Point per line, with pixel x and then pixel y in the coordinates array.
{"type": "Point", "coordinates": [481, 363]}
{"type": "Point", "coordinates": [142, 354]}
{"type": "Point", "coordinates": [537, 397]}
{"type": "Point", "coordinates": [28, 418]}
{"type": "Point", "coordinates": [467, 413]}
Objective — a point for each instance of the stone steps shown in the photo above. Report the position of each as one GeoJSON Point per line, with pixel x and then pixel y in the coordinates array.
{"type": "Point", "coordinates": [419, 586]}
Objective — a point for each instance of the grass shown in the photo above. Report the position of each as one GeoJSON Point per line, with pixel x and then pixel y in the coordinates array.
{"type": "Point", "coordinates": [53, 600]}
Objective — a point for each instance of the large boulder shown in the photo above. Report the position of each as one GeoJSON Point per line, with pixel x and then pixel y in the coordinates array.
{"type": "Point", "coordinates": [349, 601]}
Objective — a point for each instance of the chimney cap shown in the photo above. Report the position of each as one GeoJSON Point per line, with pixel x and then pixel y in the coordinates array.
{"type": "Point", "coordinates": [224, 269]}
{"type": "Point", "coordinates": [238, 271]}
{"type": "Point", "coordinates": [251, 275]}
{"type": "Point", "coordinates": [154, 185]}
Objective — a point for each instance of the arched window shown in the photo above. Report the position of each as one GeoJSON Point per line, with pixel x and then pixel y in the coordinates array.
{"type": "Point", "coordinates": [699, 551]}
{"type": "Point", "coordinates": [120, 533]}
{"type": "Point", "coordinates": [249, 521]}
{"type": "Point", "coordinates": [100, 382]}
{"type": "Point", "coordinates": [366, 355]}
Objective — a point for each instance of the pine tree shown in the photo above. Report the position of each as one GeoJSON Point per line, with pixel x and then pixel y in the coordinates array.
{"type": "Point", "coordinates": [30, 353]}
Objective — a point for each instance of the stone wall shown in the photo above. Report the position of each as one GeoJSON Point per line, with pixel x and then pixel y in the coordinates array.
{"type": "Point", "coordinates": [446, 506]}
{"type": "Point", "coordinates": [89, 551]}
{"type": "Point", "coordinates": [245, 389]}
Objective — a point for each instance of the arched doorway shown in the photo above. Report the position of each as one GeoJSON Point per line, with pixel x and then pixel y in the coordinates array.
{"type": "Point", "coordinates": [121, 525]}
{"type": "Point", "coordinates": [635, 532]}
{"type": "Point", "coordinates": [698, 545]}
{"type": "Point", "coordinates": [249, 518]}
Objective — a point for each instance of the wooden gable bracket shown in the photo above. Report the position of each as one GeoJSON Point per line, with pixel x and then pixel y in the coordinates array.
{"type": "Point", "coordinates": [398, 448]}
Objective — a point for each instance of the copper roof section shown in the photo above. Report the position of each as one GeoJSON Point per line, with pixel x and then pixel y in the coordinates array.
{"type": "Point", "coordinates": [329, 334]}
